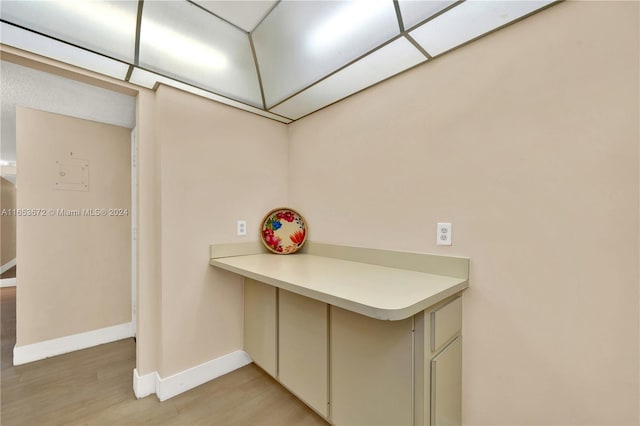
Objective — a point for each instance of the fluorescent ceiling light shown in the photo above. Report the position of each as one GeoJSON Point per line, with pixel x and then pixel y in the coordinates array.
{"type": "Point", "coordinates": [301, 42]}
{"type": "Point", "coordinates": [296, 49]}
{"type": "Point", "coordinates": [106, 27]}
{"type": "Point", "coordinates": [183, 48]}
{"type": "Point", "coordinates": [469, 20]}
{"type": "Point", "coordinates": [97, 13]}
{"type": "Point", "coordinates": [354, 17]}
{"type": "Point", "coordinates": [246, 14]}
{"type": "Point", "coordinates": [413, 12]}
{"type": "Point", "coordinates": [379, 65]}
{"type": "Point", "coordinates": [186, 43]}
{"type": "Point", "coordinates": [45, 46]}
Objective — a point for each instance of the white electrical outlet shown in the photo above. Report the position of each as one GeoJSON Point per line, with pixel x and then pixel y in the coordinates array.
{"type": "Point", "coordinates": [241, 227]}
{"type": "Point", "coordinates": [443, 234]}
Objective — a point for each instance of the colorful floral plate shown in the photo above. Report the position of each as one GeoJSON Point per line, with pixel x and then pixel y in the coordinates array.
{"type": "Point", "coordinates": [283, 231]}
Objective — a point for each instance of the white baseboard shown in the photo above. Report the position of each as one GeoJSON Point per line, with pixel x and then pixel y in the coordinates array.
{"type": "Point", "coordinates": [178, 383]}
{"type": "Point", "coordinates": [144, 385]}
{"type": "Point", "coordinates": [8, 282]}
{"type": "Point", "coordinates": [10, 264]}
{"type": "Point", "coordinates": [62, 345]}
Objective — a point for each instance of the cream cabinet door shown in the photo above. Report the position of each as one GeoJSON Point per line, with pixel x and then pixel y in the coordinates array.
{"type": "Point", "coordinates": [302, 349]}
{"type": "Point", "coordinates": [446, 386]}
{"type": "Point", "coordinates": [371, 370]}
{"type": "Point", "coordinates": [260, 324]}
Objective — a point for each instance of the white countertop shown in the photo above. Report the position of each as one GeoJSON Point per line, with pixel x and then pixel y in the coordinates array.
{"type": "Point", "coordinates": [379, 292]}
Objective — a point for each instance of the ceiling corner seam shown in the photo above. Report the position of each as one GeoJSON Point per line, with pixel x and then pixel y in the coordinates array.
{"type": "Point", "coordinates": [136, 54]}
{"type": "Point", "coordinates": [417, 46]}
{"type": "Point", "coordinates": [396, 6]}
{"type": "Point", "coordinates": [255, 61]}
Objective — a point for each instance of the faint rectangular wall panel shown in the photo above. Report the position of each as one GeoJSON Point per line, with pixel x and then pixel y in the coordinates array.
{"type": "Point", "coordinates": [72, 174]}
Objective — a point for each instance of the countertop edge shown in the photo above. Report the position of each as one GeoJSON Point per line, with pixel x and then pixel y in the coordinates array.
{"type": "Point", "coordinates": [369, 311]}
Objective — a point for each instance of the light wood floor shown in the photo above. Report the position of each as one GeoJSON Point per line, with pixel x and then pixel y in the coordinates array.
{"type": "Point", "coordinates": [9, 273]}
{"type": "Point", "coordinates": [94, 387]}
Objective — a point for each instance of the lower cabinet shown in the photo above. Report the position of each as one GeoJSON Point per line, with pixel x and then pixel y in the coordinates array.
{"type": "Point", "coordinates": [260, 324]}
{"type": "Point", "coordinates": [356, 370]}
{"type": "Point", "coordinates": [371, 370]}
{"type": "Point", "coordinates": [302, 354]}
{"type": "Point", "coordinates": [446, 385]}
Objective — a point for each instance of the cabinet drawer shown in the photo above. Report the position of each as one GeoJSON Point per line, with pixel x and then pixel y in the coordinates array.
{"type": "Point", "coordinates": [446, 323]}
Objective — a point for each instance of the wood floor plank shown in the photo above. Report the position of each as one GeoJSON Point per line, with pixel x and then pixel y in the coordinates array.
{"type": "Point", "coordinates": [9, 273]}
{"type": "Point", "coordinates": [94, 387]}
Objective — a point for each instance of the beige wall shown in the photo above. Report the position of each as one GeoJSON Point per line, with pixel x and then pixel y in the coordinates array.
{"type": "Point", "coordinates": [527, 141]}
{"type": "Point", "coordinates": [75, 272]}
{"type": "Point", "coordinates": [218, 164]}
{"type": "Point", "coordinates": [148, 233]}
{"type": "Point", "coordinates": [7, 222]}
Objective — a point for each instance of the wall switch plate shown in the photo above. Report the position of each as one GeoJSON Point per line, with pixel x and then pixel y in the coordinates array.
{"type": "Point", "coordinates": [443, 234]}
{"type": "Point", "coordinates": [241, 227]}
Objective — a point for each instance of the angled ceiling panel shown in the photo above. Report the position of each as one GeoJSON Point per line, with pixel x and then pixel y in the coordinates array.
{"type": "Point", "coordinates": [105, 27]}
{"type": "Point", "coordinates": [181, 40]}
{"type": "Point", "coordinates": [149, 79]}
{"type": "Point", "coordinates": [54, 49]}
{"type": "Point", "coordinates": [469, 20]}
{"type": "Point", "coordinates": [300, 42]}
{"type": "Point", "coordinates": [246, 14]}
{"type": "Point", "coordinates": [413, 12]}
{"type": "Point", "coordinates": [385, 62]}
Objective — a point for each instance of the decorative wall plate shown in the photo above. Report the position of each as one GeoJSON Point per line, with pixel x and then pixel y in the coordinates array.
{"type": "Point", "coordinates": [283, 231]}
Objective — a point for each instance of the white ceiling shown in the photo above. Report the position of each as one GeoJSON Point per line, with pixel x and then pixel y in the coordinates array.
{"type": "Point", "coordinates": [282, 59]}
{"type": "Point", "coordinates": [244, 14]}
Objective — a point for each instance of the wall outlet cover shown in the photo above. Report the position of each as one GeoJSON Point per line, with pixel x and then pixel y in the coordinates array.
{"type": "Point", "coordinates": [241, 227]}
{"type": "Point", "coordinates": [443, 234]}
